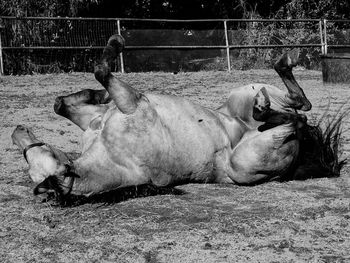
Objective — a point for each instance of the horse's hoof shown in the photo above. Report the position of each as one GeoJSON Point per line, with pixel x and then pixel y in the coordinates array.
{"type": "Point", "coordinates": [117, 42]}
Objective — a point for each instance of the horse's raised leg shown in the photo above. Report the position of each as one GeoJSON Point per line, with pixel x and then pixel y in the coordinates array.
{"type": "Point", "coordinates": [125, 97]}
{"type": "Point", "coordinates": [270, 150]}
{"type": "Point", "coordinates": [83, 106]}
{"type": "Point", "coordinates": [272, 118]}
{"type": "Point", "coordinates": [284, 68]}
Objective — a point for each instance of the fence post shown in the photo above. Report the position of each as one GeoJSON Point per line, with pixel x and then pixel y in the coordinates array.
{"type": "Point", "coordinates": [325, 36]}
{"type": "Point", "coordinates": [1, 58]}
{"type": "Point", "coordinates": [121, 54]}
{"type": "Point", "coordinates": [321, 36]}
{"type": "Point", "coordinates": [227, 47]}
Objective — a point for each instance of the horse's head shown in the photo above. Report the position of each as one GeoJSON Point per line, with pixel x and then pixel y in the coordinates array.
{"type": "Point", "coordinates": [43, 160]}
{"type": "Point", "coordinates": [82, 106]}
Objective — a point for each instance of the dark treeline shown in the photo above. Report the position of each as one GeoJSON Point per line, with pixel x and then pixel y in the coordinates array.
{"type": "Point", "coordinates": [32, 32]}
{"type": "Point", "coordinates": [179, 9]}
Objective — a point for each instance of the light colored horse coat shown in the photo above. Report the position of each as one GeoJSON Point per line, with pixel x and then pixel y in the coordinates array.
{"type": "Point", "coordinates": [132, 138]}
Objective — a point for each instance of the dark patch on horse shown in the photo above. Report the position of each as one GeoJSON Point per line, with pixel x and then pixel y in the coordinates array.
{"type": "Point", "coordinates": [200, 120]}
{"type": "Point", "coordinates": [266, 126]}
{"type": "Point", "coordinates": [290, 138]}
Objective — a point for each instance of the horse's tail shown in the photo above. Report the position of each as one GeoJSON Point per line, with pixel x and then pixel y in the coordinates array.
{"type": "Point", "coordinates": [320, 150]}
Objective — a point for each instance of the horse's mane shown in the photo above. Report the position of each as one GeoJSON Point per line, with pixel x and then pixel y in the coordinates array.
{"type": "Point", "coordinates": [320, 150]}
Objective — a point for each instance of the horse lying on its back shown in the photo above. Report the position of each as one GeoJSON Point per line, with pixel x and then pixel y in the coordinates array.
{"type": "Point", "coordinates": [132, 138]}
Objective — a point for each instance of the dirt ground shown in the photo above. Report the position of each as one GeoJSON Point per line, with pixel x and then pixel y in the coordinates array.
{"type": "Point", "coordinates": [298, 221]}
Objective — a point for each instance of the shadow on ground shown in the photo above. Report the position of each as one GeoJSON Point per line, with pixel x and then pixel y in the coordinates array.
{"type": "Point", "coordinates": [114, 196]}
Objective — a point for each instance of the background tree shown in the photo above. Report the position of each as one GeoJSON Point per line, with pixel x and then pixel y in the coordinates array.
{"type": "Point", "coordinates": [179, 9]}
{"type": "Point", "coordinates": [329, 9]}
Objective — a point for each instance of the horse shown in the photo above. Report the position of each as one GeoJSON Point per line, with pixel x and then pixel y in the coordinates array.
{"type": "Point", "coordinates": [131, 138]}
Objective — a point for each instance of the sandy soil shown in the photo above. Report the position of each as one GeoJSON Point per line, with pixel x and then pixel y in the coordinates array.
{"type": "Point", "coordinates": [298, 221]}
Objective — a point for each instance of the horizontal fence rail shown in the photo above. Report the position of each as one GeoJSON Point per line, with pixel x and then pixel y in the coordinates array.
{"type": "Point", "coordinates": [177, 47]}
{"type": "Point", "coordinates": [66, 35]}
{"type": "Point", "coordinates": [165, 20]}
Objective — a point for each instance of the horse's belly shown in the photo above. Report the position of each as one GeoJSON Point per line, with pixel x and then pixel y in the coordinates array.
{"type": "Point", "coordinates": [168, 147]}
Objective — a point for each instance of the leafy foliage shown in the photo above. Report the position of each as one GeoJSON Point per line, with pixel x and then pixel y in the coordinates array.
{"type": "Point", "coordinates": [248, 34]}
{"type": "Point", "coordinates": [315, 9]}
{"type": "Point", "coordinates": [46, 8]}
{"type": "Point", "coordinates": [180, 9]}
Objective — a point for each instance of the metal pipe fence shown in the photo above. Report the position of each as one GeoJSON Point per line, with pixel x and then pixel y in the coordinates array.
{"type": "Point", "coordinates": [33, 37]}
